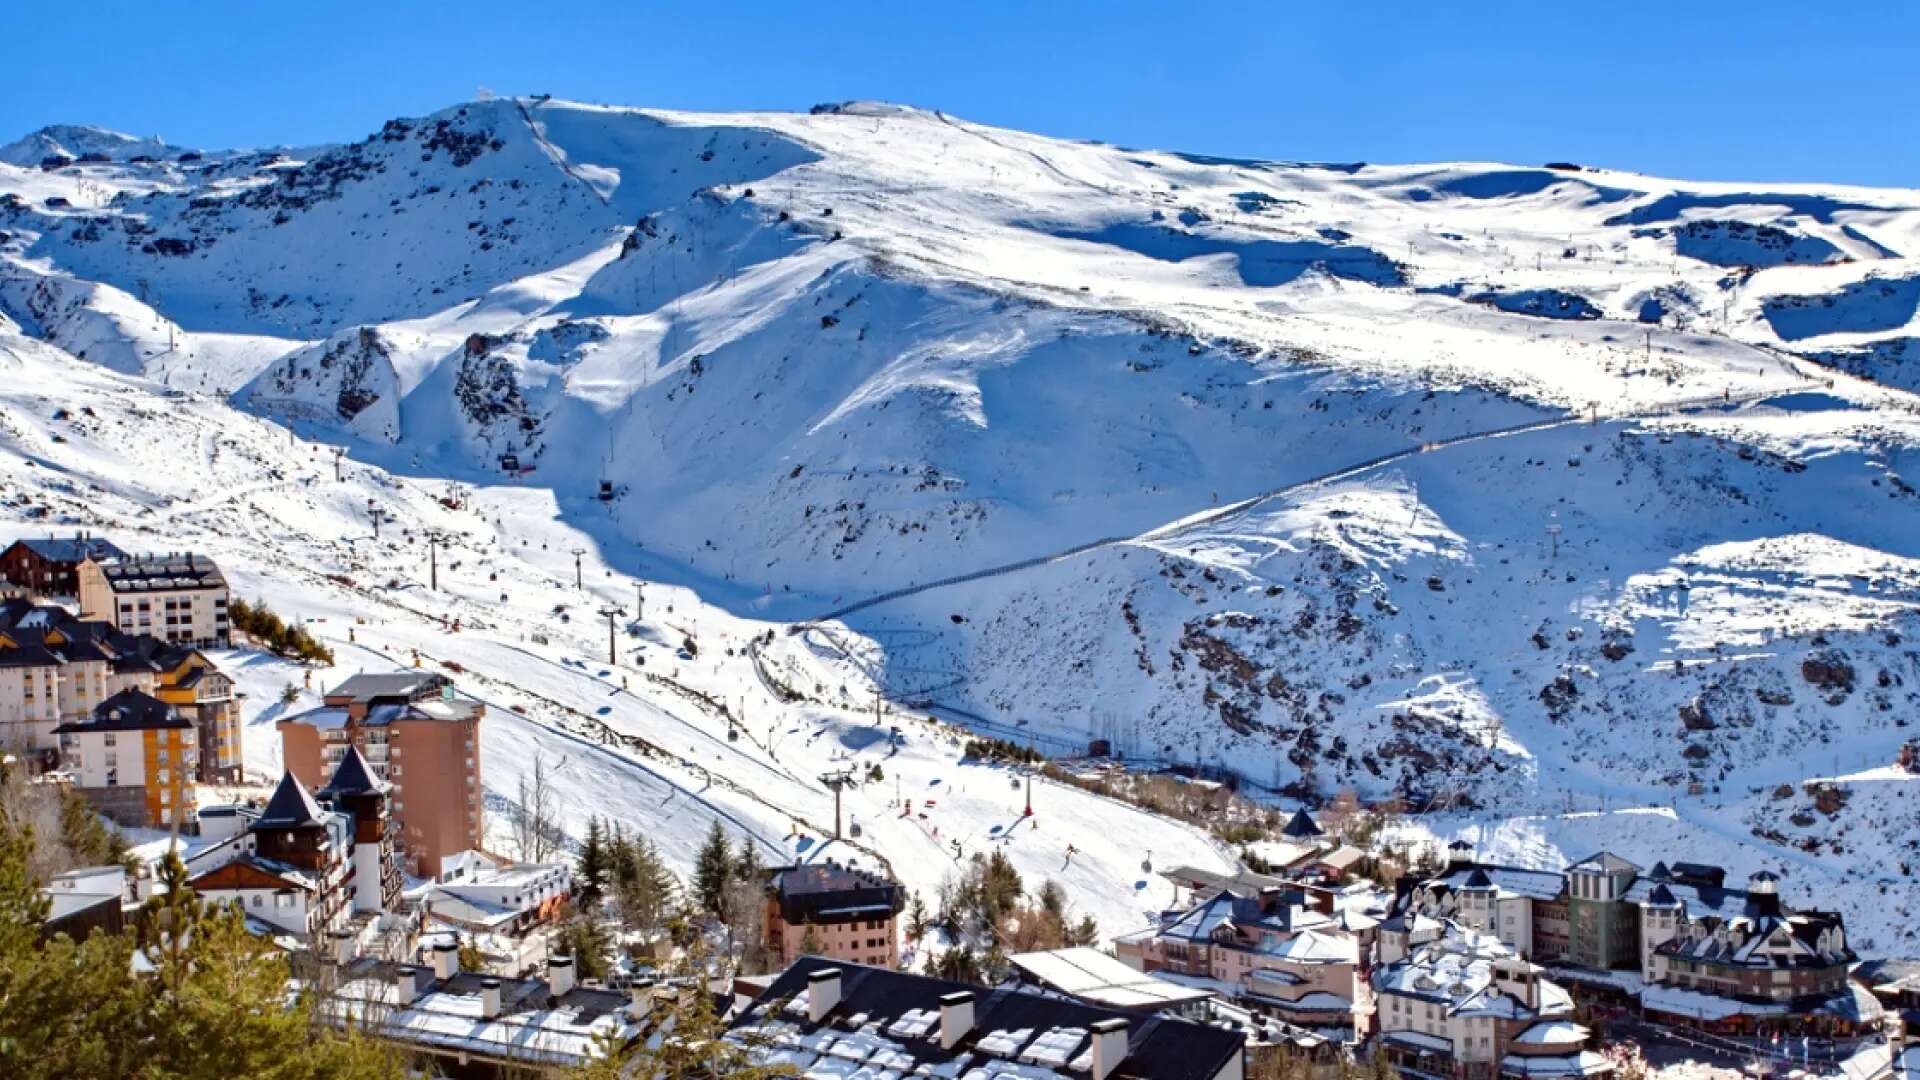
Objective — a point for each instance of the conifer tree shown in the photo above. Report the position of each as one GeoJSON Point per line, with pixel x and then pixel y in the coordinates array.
{"type": "Point", "coordinates": [712, 869]}
{"type": "Point", "coordinates": [592, 867]}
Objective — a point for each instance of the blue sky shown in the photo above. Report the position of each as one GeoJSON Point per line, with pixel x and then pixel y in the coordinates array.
{"type": "Point", "coordinates": [1762, 90]}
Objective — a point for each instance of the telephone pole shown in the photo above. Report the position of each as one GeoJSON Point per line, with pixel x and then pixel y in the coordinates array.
{"type": "Point", "coordinates": [577, 552]}
{"type": "Point", "coordinates": [610, 613]}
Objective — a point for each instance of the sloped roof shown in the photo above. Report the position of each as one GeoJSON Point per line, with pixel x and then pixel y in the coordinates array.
{"type": "Point", "coordinates": [291, 806]}
{"type": "Point", "coordinates": [1605, 862]}
{"type": "Point", "coordinates": [353, 776]}
{"type": "Point", "coordinates": [70, 549]}
{"type": "Point", "coordinates": [1300, 827]}
{"type": "Point", "coordinates": [406, 684]}
{"type": "Point", "coordinates": [128, 710]}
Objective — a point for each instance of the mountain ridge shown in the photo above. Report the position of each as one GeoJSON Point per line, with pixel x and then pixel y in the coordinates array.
{"type": "Point", "coordinates": [820, 357]}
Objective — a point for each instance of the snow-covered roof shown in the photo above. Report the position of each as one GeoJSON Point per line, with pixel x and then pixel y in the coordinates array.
{"type": "Point", "coordinates": [324, 718]}
{"type": "Point", "coordinates": [1091, 975]}
{"type": "Point", "coordinates": [447, 1015]}
{"type": "Point", "coordinates": [1419, 1040]}
{"type": "Point", "coordinates": [1461, 972]}
{"type": "Point", "coordinates": [886, 1025]}
{"type": "Point", "coordinates": [1317, 1001]}
{"type": "Point", "coordinates": [1245, 915]}
{"type": "Point", "coordinates": [1318, 947]}
{"type": "Point", "coordinates": [1507, 881]}
{"type": "Point", "coordinates": [1553, 1032]}
{"type": "Point", "coordinates": [1679, 1001]}
{"type": "Point", "coordinates": [1582, 1063]}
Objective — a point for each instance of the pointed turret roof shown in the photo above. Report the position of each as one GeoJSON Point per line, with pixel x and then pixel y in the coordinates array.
{"type": "Point", "coordinates": [291, 806]}
{"type": "Point", "coordinates": [353, 776]}
{"type": "Point", "coordinates": [1300, 827]}
{"type": "Point", "coordinates": [1479, 880]}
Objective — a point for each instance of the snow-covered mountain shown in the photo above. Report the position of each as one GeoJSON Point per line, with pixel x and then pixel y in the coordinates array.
{"type": "Point", "coordinates": [78, 142]}
{"type": "Point", "coordinates": [1523, 490]}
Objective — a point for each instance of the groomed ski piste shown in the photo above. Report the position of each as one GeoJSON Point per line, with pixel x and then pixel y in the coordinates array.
{"type": "Point", "coordinates": [1570, 503]}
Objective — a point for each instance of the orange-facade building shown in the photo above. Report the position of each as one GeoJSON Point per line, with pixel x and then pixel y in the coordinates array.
{"type": "Point", "coordinates": [420, 738]}
{"type": "Point", "coordinates": [134, 759]}
{"type": "Point", "coordinates": [826, 909]}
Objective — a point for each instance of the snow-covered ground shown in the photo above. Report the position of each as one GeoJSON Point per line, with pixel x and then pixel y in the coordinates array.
{"type": "Point", "coordinates": [1524, 491]}
{"type": "Point", "coordinates": [158, 472]}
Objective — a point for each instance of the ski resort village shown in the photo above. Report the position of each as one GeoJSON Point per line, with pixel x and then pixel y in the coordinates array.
{"type": "Point", "coordinates": [550, 589]}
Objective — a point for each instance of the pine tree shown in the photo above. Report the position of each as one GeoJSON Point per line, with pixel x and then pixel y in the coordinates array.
{"type": "Point", "coordinates": [62, 1005]}
{"type": "Point", "coordinates": [90, 841]}
{"type": "Point", "coordinates": [593, 866]}
{"type": "Point", "coordinates": [712, 869]}
{"type": "Point", "coordinates": [212, 1003]}
{"type": "Point", "coordinates": [1053, 900]}
{"type": "Point", "coordinates": [645, 889]}
{"type": "Point", "coordinates": [586, 939]}
{"type": "Point", "coordinates": [747, 866]}
{"type": "Point", "coordinates": [1086, 932]}
{"type": "Point", "coordinates": [917, 924]}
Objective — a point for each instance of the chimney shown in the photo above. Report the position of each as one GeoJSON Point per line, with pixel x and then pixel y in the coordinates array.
{"type": "Point", "coordinates": [1109, 1046]}
{"type": "Point", "coordinates": [823, 993]}
{"type": "Point", "coordinates": [956, 1017]}
{"type": "Point", "coordinates": [1459, 854]}
{"type": "Point", "coordinates": [489, 998]}
{"type": "Point", "coordinates": [560, 975]}
{"type": "Point", "coordinates": [406, 984]}
{"type": "Point", "coordinates": [641, 999]}
{"type": "Point", "coordinates": [1763, 889]}
{"type": "Point", "coordinates": [446, 960]}
{"type": "Point", "coordinates": [343, 947]}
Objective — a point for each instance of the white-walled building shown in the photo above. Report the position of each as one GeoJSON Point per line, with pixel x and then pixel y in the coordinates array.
{"type": "Point", "coordinates": [174, 597]}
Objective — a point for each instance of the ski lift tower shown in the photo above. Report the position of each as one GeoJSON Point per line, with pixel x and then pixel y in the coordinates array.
{"type": "Point", "coordinates": [837, 781]}
{"type": "Point", "coordinates": [611, 613]}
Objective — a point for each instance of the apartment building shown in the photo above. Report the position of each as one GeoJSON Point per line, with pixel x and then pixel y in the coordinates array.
{"type": "Point", "coordinates": [1269, 952]}
{"type": "Point", "coordinates": [501, 907]}
{"type": "Point", "coordinates": [466, 1024]}
{"type": "Point", "coordinates": [177, 597]}
{"type": "Point", "coordinates": [295, 873]}
{"type": "Point", "coordinates": [1467, 1006]}
{"type": "Point", "coordinates": [185, 679]}
{"type": "Point", "coordinates": [54, 668]}
{"type": "Point", "coordinates": [1675, 938]}
{"type": "Point", "coordinates": [134, 758]}
{"type": "Point", "coordinates": [355, 791]}
{"type": "Point", "coordinates": [418, 736]}
{"type": "Point", "coordinates": [825, 1017]}
{"type": "Point", "coordinates": [50, 566]}
{"type": "Point", "coordinates": [833, 910]}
